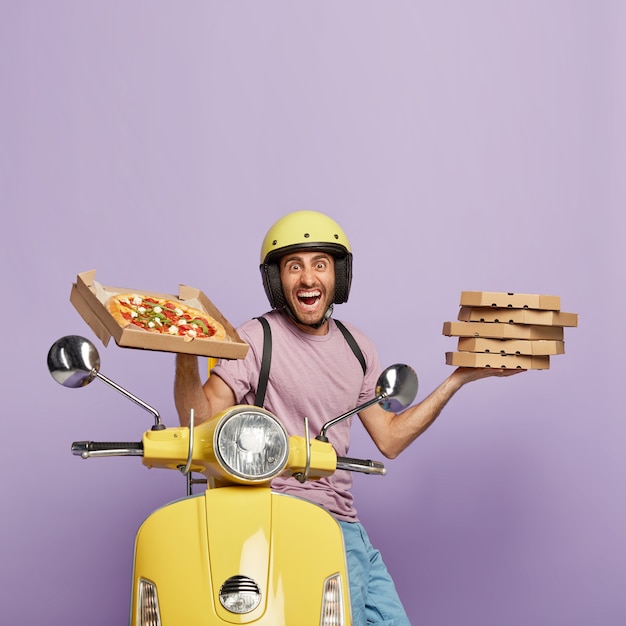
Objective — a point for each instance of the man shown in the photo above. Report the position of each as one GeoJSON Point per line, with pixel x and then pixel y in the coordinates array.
{"type": "Point", "coordinates": [306, 264]}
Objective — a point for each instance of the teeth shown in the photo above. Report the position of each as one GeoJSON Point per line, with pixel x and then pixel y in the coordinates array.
{"type": "Point", "coordinates": [309, 294]}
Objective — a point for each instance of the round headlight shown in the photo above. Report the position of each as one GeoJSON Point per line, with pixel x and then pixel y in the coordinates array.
{"type": "Point", "coordinates": [251, 444]}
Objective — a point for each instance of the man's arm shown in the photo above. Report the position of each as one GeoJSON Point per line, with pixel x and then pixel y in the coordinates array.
{"type": "Point", "coordinates": [189, 392]}
{"type": "Point", "coordinates": [393, 432]}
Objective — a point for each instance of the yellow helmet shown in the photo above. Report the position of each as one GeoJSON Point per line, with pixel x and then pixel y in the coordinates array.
{"type": "Point", "coordinates": [305, 230]}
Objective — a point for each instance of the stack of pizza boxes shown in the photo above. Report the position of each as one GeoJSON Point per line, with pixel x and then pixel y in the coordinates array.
{"type": "Point", "coordinates": [508, 330]}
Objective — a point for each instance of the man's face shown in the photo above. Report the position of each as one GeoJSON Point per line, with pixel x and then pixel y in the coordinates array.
{"type": "Point", "coordinates": [308, 281]}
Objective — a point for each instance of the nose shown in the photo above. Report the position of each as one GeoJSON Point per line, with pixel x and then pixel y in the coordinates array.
{"type": "Point", "coordinates": [308, 275]}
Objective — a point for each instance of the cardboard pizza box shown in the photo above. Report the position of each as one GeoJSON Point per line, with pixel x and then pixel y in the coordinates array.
{"type": "Point", "coordinates": [506, 361]}
{"type": "Point", "coordinates": [540, 347]}
{"type": "Point", "coordinates": [517, 316]}
{"type": "Point", "coordinates": [88, 298]}
{"type": "Point", "coordinates": [510, 300]}
{"type": "Point", "coordinates": [494, 330]}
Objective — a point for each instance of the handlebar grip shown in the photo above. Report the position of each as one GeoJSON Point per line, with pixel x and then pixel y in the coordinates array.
{"type": "Point", "coordinates": [88, 449]}
{"type": "Point", "coordinates": [361, 465]}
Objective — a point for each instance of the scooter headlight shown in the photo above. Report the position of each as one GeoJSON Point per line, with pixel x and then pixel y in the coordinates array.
{"type": "Point", "coordinates": [251, 444]}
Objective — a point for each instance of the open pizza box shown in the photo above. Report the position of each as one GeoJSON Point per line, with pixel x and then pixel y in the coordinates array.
{"type": "Point", "coordinates": [88, 297]}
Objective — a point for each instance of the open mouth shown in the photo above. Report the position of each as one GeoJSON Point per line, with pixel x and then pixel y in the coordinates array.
{"type": "Point", "coordinates": [309, 298]}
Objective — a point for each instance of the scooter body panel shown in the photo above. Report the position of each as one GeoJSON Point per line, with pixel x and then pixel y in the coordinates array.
{"type": "Point", "coordinates": [288, 546]}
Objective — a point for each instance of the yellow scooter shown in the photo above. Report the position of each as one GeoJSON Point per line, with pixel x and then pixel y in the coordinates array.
{"type": "Point", "coordinates": [236, 553]}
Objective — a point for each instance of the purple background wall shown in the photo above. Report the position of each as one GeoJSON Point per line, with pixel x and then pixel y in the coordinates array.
{"type": "Point", "coordinates": [463, 146]}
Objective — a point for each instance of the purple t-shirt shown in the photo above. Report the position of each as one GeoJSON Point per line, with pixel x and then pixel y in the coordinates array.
{"type": "Point", "coordinates": [313, 376]}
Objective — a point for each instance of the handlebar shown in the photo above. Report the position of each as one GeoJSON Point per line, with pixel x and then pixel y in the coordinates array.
{"type": "Point", "coordinates": [361, 465]}
{"type": "Point", "coordinates": [88, 449]}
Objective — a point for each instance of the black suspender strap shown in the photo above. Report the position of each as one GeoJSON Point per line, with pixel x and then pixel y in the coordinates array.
{"type": "Point", "coordinates": [353, 344]}
{"type": "Point", "coordinates": [266, 360]}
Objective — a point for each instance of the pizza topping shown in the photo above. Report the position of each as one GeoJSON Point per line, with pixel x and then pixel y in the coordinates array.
{"type": "Point", "coordinates": [164, 316]}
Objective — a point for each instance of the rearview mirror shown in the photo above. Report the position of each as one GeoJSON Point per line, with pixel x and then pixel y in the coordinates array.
{"type": "Point", "coordinates": [73, 361]}
{"type": "Point", "coordinates": [397, 387]}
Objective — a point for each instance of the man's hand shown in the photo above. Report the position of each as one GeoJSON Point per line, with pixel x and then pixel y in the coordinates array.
{"type": "Point", "coordinates": [464, 375]}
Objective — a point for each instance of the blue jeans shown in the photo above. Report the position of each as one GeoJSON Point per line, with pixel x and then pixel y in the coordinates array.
{"type": "Point", "coordinates": [373, 595]}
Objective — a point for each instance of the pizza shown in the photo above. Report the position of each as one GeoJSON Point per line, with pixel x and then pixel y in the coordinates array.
{"type": "Point", "coordinates": [164, 316]}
